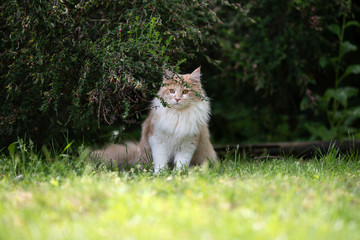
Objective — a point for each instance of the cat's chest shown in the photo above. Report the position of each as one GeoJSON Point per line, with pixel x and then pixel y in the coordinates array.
{"type": "Point", "coordinates": [179, 124]}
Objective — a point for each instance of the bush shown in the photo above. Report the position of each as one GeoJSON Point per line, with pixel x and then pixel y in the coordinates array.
{"type": "Point", "coordinates": [71, 66]}
{"type": "Point", "coordinates": [270, 55]}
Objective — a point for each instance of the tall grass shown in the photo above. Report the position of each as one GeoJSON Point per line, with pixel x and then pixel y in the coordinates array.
{"type": "Point", "coordinates": [21, 161]}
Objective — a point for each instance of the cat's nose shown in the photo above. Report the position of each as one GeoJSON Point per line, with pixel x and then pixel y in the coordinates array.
{"type": "Point", "coordinates": [177, 99]}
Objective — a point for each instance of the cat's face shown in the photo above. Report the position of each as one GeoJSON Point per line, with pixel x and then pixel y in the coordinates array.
{"type": "Point", "coordinates": [180, 91]}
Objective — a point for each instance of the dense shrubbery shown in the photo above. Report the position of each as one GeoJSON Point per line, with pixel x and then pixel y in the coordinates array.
{"type": "Point", "coordinates": [276, 63]}
{"type": "Point", "coordinates": [72, 66]}
{"type": "Point", "coordinates": [68, 66]}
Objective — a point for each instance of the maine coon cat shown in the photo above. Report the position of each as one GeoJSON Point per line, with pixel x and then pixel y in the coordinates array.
{"type": "Point", "coordinates": [177, 132]}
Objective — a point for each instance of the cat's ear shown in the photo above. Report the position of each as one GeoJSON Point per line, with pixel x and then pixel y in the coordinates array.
{"type": "Point", "coordinates": [168, 75]}
{"type": "Point", "coordinates": [195, 76]}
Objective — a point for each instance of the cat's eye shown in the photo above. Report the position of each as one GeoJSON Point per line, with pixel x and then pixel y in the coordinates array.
{"type": "Point", "coordinates": [172, 91]}
{"type": "Point", "coordinates": [185, 91]}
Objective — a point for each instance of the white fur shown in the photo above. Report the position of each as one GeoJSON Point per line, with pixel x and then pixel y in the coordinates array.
{"type": "Point", "coordinates": [176, 132]}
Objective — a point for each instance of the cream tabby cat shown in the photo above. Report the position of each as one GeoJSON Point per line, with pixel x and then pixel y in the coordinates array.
{"type": "Point", "coordinates": [177, 132]}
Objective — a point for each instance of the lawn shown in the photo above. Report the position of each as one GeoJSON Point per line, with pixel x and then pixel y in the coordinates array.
{"type": "Point", "coordinates": [63, 196]}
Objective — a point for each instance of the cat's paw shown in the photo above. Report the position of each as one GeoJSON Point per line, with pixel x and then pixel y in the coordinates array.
{"type": "Point", "coordinates": [158, 169]}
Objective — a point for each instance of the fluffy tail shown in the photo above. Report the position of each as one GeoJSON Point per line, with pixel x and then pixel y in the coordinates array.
{"type": "Point", "coordinates": [119, 156]}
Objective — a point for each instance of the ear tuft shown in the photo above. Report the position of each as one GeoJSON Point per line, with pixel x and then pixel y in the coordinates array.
{"type": "Point", "coordinates": [196, 75]}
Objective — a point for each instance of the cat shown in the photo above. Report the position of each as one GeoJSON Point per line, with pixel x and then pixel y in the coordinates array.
{"type": "Point", "coordinates": [177, 132]}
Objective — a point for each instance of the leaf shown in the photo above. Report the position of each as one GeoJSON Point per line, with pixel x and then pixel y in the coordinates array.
{"type": "Point", "coordinates": [353, 115]}
{"type": "Point", "coordinates": [319, 130]}
{"type": "Point", "coordinates": [323, 61]}
{"type": "Point", "coordinates": [347, 47]}
{"type": "Point", "coordinates": [305, 104]}
{"type": "Point", "coordinates": [353, 69]}
{"type": "Point", "coordinates": [334, 28]}
{"type": "Point", "coordinates": [67, 146]}
{"type": "Point", "coordinates": [352, 23]}
{"type": "Point", "coordinates": [11, 149]}
{"type": "Point", "coordinates": [342, 94]}
{"type": "Point", "coordinates": [355, 112]}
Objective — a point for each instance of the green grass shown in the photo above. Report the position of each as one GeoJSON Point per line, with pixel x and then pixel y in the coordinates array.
{"type": "Point", "coordinates": [63, 196]}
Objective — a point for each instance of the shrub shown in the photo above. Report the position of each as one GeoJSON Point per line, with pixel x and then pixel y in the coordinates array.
{"type": "Point", "coordinates": [270, 59]}
{"type": "Point", "coordinates": [71, 66]}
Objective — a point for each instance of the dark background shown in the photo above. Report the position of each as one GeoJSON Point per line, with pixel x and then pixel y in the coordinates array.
{"type": "Point", "coordinates": [80, 70]}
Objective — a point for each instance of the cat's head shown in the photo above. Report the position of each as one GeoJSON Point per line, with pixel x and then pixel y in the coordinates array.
{"type": "Point", "coordinates": [180, 91]}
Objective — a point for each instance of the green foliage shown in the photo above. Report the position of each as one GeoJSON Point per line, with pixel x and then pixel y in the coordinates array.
{"type": "Point", "coordinates": [269, 52]}
{"type": "Point", "coordinates": [334, 102]}
{"type": "Point", "coordinates": [78, 67]}
{"type": "Point", "coordinates": [24, 161]}
{"type": "Point", "coordinates": [70, 66]}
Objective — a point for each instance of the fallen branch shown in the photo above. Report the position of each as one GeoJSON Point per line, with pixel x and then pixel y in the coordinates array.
{"type": "Point", "coordinates": [297, 149]}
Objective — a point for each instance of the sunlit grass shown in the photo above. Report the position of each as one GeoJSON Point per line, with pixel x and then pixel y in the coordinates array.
{"type": "Point", "coordinates": [240, 198]}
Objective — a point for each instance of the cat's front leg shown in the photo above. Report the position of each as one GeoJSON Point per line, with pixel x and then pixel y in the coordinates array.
{"type": "Point", "coordinates": [183, 157]}
{"type": "Point", "coordinates": [159, 153]}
